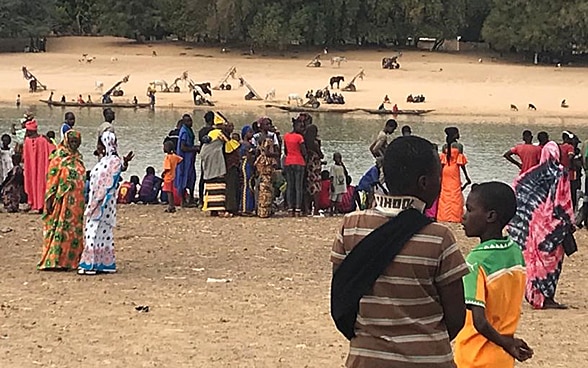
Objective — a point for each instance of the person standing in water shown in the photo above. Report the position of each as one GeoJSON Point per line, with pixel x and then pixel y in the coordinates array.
{"type": "Point", "coordinates": [453, 161]}
{"type": "Point", "coordinates": [528, 153]}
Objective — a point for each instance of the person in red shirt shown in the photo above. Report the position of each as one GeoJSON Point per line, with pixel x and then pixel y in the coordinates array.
{"type": "Point", "coordinates": [528, 153]}
{"type": "Point", "coordinates": [294, 166]}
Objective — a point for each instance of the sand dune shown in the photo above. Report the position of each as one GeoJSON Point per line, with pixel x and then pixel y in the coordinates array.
{"type": "Point", "coordinates": [453, 84]}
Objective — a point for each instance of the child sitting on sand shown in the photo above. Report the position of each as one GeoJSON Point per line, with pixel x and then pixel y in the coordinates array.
{"type": "Point", "coordinates": [150, 187]}
{"type": "Point", "coordinates": [170, 163]}
{"type": "Point", "coordinates": [128, 191]}
{"type": "Point", "coordinates": [495, 286]}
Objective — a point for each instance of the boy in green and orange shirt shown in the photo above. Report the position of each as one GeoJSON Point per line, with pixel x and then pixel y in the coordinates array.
{"type": "Point", "coordinates": [495, 286]}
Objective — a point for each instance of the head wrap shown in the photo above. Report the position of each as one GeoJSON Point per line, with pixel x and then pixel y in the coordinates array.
{"type": "Point", "coordinates": [31, 125]}
{"type": "Point", "coordinates": [246, 129]}
{"type": "Point", "coordinates": [218, 119]}
{"type": "Point", "coordinates": [108, 139]}
{"type": "Point", "coordinates": [550, 152]}
{"type": "Point", "coordinates": [68, 135]}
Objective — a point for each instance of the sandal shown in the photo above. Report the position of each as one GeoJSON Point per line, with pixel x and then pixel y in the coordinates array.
{"type": "Point", "coordinates": [170, 210]}
{"type": "Point", "coordinates": [82, 271]}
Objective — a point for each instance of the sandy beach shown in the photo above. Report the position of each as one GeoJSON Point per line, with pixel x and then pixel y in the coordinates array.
{"type": "Point", "coordinates": [274, 312]}
{"type": "Point", "coordinates": [454, 84]}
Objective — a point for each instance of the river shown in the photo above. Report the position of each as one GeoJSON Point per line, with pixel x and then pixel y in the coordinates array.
{"type": "Point", "coordinates": [142, 131]}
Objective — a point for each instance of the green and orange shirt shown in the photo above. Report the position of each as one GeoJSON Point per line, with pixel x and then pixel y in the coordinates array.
{"type": "Point", "coordinates": [496, 282]}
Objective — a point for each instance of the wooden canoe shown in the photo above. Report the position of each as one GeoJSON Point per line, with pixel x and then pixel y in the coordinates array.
{"type": "Point", "coordinates": [310, 109]}
{"type": "Point", "coordinates": [399, 112]}
{"type": "Point", "coordinates": [94, 104]}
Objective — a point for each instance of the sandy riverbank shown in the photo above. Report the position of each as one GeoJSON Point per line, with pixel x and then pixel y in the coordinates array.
{"type": "Point", "coordinates": [274, 312]}
{"type": "Point", "coordinates": [453, 84]}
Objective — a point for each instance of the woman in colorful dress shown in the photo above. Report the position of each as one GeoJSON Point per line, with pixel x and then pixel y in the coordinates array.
{"type": "Point", "coordinates": [453, 162]}
{"type": "Point", "coordinates": [247, 151]}
{"type": "Point", "coordinates": [64, 206]}
{"type": "Point", "coordinates": [265, 166]}
{"type": "Point", "coordinates": [98, 255]}
{"type": "Point", "coordinates": [214, 169]}
{"type": "Point", "coordinates": [313, 164]}
{"type": "Point", "coordinates": [544, 226]}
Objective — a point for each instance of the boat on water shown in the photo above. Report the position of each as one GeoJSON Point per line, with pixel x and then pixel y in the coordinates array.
{"type": "Point", "coordinates": [95, 104]}
{"type": "Point", "coordinates": [397, 112]}
{"type": "Point", "coordinates": [347, 110]}
{"type": "Point", "coordinates": [312, 109]}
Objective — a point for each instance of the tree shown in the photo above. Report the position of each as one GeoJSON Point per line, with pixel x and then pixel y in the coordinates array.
{"type": "Point", "coordinates": [26, 18]}
{"type": "Point", "coordinates": [130, 18]}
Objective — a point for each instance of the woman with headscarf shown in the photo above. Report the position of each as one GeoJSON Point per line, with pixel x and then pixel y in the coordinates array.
{"type": "Point", "coordinates": [98, 254]}
{"type": "Point", "coordinates": [313, 163]}
{"type": "Point", "coordinates": [265, 165]}
{"type": "Point", "coordinates": [63, 220]}
{"type": "Point", "coordinates": [450, 208]}
{"type": "Point", "coordinates": [186, 170]}
{"type": "Point", "coordinates": [544, 225]}
{"type": "Point", "coordinates": [214, 169]}
{"type": "Point", "coordinates": [36, 151]}
{"type": "Point", "coordinates": [247, 152]}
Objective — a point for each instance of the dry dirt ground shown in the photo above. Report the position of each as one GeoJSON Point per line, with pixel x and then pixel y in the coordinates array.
{"type": "Point", "coordinates": [273, 313]}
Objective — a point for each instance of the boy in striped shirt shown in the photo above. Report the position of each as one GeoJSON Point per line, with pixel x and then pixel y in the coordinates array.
{"type": "Point", "coordinates": [495, 286]}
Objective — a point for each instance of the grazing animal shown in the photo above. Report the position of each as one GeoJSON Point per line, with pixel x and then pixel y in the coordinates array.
{"type": "Point", "coordinates": [338, 60]}
{"type": "Point", "coordinates": [204, 88]}
{"type": "Point", "coordinates": [532, 107]}
{"type": "Point", "coordinates": [338, 79]}
{"type": "Point", "coordinates": [113, 59]}
{"type": "Point", "coordinates": [513, 107]}
{"type": "Point", "coordinates": [159, 83]}
{"type": "Point", "coordinates": [270, 95]}
{"type": "Point", "coordinates": [390, 63]}
{"type": "Point", "coordinates": [564, 104]}
{"type": "Point", "coordinates": [295, 97]}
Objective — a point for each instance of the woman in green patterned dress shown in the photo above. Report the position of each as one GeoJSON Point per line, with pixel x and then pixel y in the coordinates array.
{"type": "Point", "coordinates": [63, 217]}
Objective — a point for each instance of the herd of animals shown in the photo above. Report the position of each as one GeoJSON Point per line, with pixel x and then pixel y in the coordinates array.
{"type": "Point", "coordinates": [202, 92]}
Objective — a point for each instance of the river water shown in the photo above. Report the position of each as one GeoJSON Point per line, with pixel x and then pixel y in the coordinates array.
{"type": "Point", "coordinates": [142, 131]}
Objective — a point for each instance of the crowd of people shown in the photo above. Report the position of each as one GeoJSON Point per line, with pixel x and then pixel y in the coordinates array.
{"type": "Point", "coordinates": [524, 229]}
{"type": "Point", "coordinates": [400, 280]}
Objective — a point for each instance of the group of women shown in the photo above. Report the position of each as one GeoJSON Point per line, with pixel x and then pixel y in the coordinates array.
{"type": "Point", "coordinates": [68, 242]}
{"type": "Point", "coordinates": [544, 222]}
{"type": "Point", "coordinates": [239, 171]}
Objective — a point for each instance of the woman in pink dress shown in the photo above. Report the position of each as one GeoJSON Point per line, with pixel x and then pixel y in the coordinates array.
{"type": "Point", "coordinates": [36, 152]}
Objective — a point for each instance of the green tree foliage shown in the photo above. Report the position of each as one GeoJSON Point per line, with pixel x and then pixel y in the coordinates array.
{"type": "Point", "coordinates": [537, 26]}
{"type": "Point", "coordinates": [24, 18]}
{"type": "Point", "coordinates": [522, 25]}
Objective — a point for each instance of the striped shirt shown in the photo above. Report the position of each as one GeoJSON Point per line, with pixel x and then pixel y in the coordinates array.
{"type": "Point", "coordinates": [400, 322]}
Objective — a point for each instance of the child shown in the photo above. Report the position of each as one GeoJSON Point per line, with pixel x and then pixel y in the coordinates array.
{"type": "Point", "coordinates": [51, 137]}
{"type": "Point", "coordinates": [12, 188]}
{"type": "Point", "coordinates": [338, 176]}
{"type": "Point", "coordinates": [6, 153]}
{"type": "Point", "coordinates": [495, 286]}
{"type": "Point", "coordinates": [128, 191]}
{"type": "Point", "coordinates": [324, 197]}
{"type": "Point", "coordinates": [150, 187]}
{"type": "Point", "coordinates": [170, 163]}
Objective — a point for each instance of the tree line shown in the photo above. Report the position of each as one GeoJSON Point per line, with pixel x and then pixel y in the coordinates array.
{"type": "Point", "coordinates": [507, 25]}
